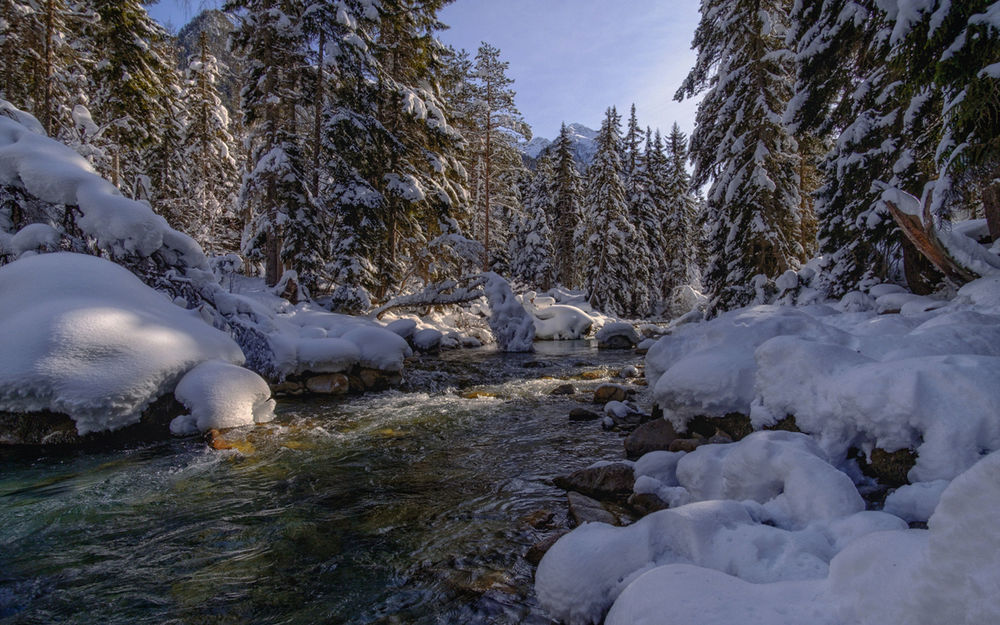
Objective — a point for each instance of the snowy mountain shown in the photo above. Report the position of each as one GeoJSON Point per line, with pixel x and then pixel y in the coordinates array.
{"type": "Point", "coordinates": [584, 146]}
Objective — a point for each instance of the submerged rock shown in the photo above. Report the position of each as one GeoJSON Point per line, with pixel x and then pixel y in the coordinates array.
{"type": "Point", "coordinates": [610, 392]}
{"type": "Point", "coordinates": [582, 414]}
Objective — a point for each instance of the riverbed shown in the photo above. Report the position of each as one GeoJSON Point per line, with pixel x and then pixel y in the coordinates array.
{"type": "Point", "coordinates": [408, 506]}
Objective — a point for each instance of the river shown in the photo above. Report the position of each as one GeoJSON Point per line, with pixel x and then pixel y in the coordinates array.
{"type": "Point", "coordinates": [406, 506]}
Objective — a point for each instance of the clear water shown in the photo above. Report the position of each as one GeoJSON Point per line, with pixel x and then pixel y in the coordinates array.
{"type": "Point", "coordinates": [401, 507]}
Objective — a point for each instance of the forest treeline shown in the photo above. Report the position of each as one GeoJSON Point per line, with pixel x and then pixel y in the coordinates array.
{"type": "Point", "coordinates": [344, 141]}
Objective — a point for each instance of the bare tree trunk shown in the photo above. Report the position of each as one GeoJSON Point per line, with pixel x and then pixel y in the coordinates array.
{"type": "Point", "coordinates": [49, 71]}
{"type": "Point", "coordinates": [921, 234]}
{"type": "Point", "coordinates": [318, 112]}
{"type": "Point", "coordinates": [991, 206]}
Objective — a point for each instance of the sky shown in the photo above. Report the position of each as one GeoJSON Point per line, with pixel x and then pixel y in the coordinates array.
{"type": "Point", "coordinates": [570, 59]}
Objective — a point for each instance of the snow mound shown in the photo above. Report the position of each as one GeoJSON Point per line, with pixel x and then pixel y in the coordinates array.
{"type": "Point", "coordinates": [926, 379]}
{"type": "Point", "coordinates": [221, 395]}
{"type": "Point", "coordinates": [85, 337]}
{"type": "Point", "coordinates": [560, 322]}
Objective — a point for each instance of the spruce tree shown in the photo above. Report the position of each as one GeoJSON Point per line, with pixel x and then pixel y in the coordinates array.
{"type": "Point", "coordinates": [741, 145]}
{"type": "Point", "coordinates": [132, 93]}
{"type": "Point", "coordinates": [681, 240]}
{"type": "Point", "coordinates": [608, 232]}
{"type": "Point", "coordinates": [211, 173]}
{"type": "Point", "coordinates": [275, 194]}
{"type": "Point", "coordinates": [568, 213]}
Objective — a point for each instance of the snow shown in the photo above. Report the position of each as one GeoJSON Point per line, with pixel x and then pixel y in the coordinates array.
{"type": "Point", "coordinates": [221, 395]}
{"type": "Point", "coordinates": [556, 321]}
{"type": "Point", "coordinates": [512, 326]}
{"type": "Point", "coordinates": [772, 529]}
{"type": "Point", "coordinates": [84, 337]}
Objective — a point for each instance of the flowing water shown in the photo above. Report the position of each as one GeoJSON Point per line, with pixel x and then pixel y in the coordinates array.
{"type": "Point", "coordinates": [402, 507]}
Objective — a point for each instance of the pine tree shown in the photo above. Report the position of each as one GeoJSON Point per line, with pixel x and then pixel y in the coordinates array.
{"type": "Point", "coordinates": [742, 146]}
{"type": "Point", "coordinates": [608, 232]}
{"type": "Point", "coordinates": [208, 212]}
{"type": "Point", "coordinates": [275, 195]}
{"type": "Point", "coordinates": [568, 213]}
{"type": "Point", "coordinates": [967, 42]}
{"type": "Point", "coordinates": [44, 52]}
{"type": "Point", "coordinates": [531, 250]}
{"type": "Point", "coordinates": [131, 85]}
{"type": "Point", "coordinates": [394, 177]}
{"type": "Point", "coordinates": [496, 163]}
{"type": "Point", "coordinates": [681, 241]}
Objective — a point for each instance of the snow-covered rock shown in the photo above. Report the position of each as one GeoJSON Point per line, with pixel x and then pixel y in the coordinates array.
{"type": "Point", "coordinates": [84, 337]}
{"type": "Point", "coordinates": [221, 395]}
{"type": "Point", "coordinates": [617, 335]}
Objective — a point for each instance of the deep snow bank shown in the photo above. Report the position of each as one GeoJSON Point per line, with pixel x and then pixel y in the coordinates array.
{"type": "Point", "coordinates": [85, 337]}
{"type": "Point", "coordinates": [927, 378]}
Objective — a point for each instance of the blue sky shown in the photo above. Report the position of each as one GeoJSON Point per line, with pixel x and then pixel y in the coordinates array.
{"type": "Point", "coordinates": [570, 59]}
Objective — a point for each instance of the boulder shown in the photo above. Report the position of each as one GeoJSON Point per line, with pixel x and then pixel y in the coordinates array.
{"type": "Point", "coordinates": [328, 384]}
{"type": "Point", "coordinates": [583, 509]}
{"type": "Point", "coordinates": [610, 392]}
{"type": "Point", "coordinates": [582, 414]}
{"type": "Point", "coordinates": [57, 429]}
{"type": "Point", "coordinates": [563, 389]}
{"type": "Point", "coordinates": [539, 519]}
{"type": "Point", "coordinates": [735, 424]}
{"type": "Point", "coordinates": [427, 341]}
{"type": "Point", "coordinates": [646, 503]}
{"type": "Point", "coordinates": [653, 435]}
{"type": "Point", "coordinates": [608, 481]}
{"type": "Point", "coordinates": [619, 335]}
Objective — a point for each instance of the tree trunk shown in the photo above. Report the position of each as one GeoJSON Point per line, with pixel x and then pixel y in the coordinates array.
{"type": "Point", "coordinates": [991, 206]}
{"type": "Point", "coordinates": [318, 112]}
{"type": "Point", "coordinates": [920, 233]}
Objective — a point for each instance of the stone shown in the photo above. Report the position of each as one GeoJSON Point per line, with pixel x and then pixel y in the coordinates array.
{"type": "Point", "coordinates": [609, 481]}
{"type": "Point", "coordinates": [539, 519]}
{"type": "Point", "coordinates": [535, 364]}
{"type": "Point", "coordinates": [217, 440]}
{"type": "Point", "coordinates": [329, 384]}
{"type": "Point", "coordinates": [592, 375]}
{"type": "Point", "coordinates": [563, 389]}
{"type": "Point", "coordinates": [539, 549]}
{"type": "Point", "coordinates": [618, 335]}
{"type": "Point", "coordinates": [582, 414]}
{"type": "Point", "coordinates": [375, 380]}
{"type": "Point", "coordinates": [646, 503]}
{"type": "Point", "coordinates": [686, 444]}
{"type": "Point", "coordinates": [583, 509]}
{"type": "Point", "coordinates": [610, 392]}
{"type": "Point", "coordinates": [735, 424]}
{"type": "Point", "coordinates": [616, 342]}
{"type": "Point", "coordinates": [427, 341]}
{"type": "Point", "coordinates": [288, 387]}
{"type": "Point", "coordinates": [630, 371]}
{"type": "Point", "coordinates": [655, 435]}
{"type": "Point", "coordinates": [787, 424]}
{"type": "Point", "coordinates": [58, 429]}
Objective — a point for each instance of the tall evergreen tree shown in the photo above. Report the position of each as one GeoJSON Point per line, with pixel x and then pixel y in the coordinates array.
{"type": "Point", "coordinates": [681, 240]}
{"type": "Point", "coordinates": [608, 232]}
{"type": "Point", "coordinates": [132, 93]}
{"type": "Point", "coordinates": [275, 194]}
{"type": "Point", "coordinates": [496, 162]}
{"type": "Point", "coordinates": [741, 145]}
{"type": "Point", "coordinates": [568, 213]}
{"type": "Point", "coordinates": [211, 173]}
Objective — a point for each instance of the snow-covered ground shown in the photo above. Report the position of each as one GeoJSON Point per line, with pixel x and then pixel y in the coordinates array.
{"type": "Point", "coordinates": [772, 529]}
{"type": "Point", "coordinates": [84, 337]}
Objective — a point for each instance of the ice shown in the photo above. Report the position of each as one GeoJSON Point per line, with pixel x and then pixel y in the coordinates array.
{"type": "Point", "coordinates": [84, 337]}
